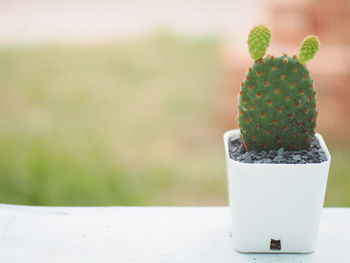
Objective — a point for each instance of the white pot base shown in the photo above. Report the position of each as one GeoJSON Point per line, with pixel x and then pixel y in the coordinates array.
{"type": "Point", "coordinates": [275, 201]}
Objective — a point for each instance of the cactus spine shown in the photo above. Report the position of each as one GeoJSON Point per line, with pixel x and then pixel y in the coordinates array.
{"type": "Point", "coordinates": [277, 105]}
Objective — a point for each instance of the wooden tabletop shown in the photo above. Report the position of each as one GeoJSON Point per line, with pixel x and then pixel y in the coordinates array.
{"type": "Point", "coordinates": [146, 234]}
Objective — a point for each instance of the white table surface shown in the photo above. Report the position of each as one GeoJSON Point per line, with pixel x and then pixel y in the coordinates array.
{"type": "Point", "coordinates": [146, 234]}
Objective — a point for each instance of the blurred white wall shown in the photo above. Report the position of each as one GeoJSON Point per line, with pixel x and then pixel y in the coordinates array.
{"type": "Point", "coordinates": [103, 20]}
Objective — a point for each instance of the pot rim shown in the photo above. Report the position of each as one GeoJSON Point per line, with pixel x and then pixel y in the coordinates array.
{"type": "Point", "coordinates": [236, 132]}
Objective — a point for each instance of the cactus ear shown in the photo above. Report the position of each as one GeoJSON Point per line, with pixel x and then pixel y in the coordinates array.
{"type": "Point", "coordinates": [308, 48]}
{"type": "Point", "coordinates": [258, 41]}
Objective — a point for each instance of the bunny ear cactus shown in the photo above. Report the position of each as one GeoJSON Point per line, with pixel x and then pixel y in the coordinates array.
{"type": "Point", "coordinates": [258, 41]}
{"type": "Point", "coordinates": [277, 104]}
{"type": "Point", "coordinates": [308, 49]}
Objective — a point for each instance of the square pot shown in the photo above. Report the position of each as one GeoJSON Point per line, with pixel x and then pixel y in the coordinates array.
{"type": "Point", "coordinates": [276, 208]}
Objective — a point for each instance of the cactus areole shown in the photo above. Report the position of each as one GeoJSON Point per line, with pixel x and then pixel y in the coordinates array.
{"type": "Point", "coordinates": [277, 105]}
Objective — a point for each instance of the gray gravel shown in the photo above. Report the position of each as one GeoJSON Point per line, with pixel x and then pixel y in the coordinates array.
{"type": "Point", "coordinates": [315, 155]}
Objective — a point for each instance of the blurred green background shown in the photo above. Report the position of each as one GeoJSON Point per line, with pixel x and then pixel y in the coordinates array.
{"type": "Point", "coordinates": [118, 124]}
{"type": "Point", "coordinates": [128, 123]}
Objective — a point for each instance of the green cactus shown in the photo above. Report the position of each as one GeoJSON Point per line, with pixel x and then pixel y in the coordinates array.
{"type": "Point", "coordinates": [258, 41]}
{"type": "Point", "coordinates": [277, 104]}
{"type": "Point", "coordinates": [308, 48]}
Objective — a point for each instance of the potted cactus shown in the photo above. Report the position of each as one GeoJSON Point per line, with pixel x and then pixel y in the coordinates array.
{"type": "Point", "coordinates": [277, 166]}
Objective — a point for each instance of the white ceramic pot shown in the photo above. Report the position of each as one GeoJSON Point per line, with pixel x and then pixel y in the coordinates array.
{"type": "Point", "coordinates": [276, 208]}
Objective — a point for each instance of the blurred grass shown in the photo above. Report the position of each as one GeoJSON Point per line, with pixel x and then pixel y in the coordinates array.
{"type": "Point", "coordinates": [338, 187]}
{"type": "Point", "coordinates": [123, 124]}
{"type": "Point", "coordinates": [133, 123]}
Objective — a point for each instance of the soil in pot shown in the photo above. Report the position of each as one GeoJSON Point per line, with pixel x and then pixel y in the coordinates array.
{"type": "Point", "coordinates": [314, 155]}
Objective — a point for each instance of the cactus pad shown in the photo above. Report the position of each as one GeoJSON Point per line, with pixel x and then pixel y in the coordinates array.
{"type": "Point", "coordinates": [277, 106]}
{"type": "Point", "coordinates": [258, 41]}
{"type": "Point", "coordinates": [308, 48]}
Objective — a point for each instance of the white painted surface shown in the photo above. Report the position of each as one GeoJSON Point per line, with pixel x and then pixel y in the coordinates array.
{"type": "Point", "coordinates": [287, 200]}
{"type": "Point", "coordinates": [146, 234]}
